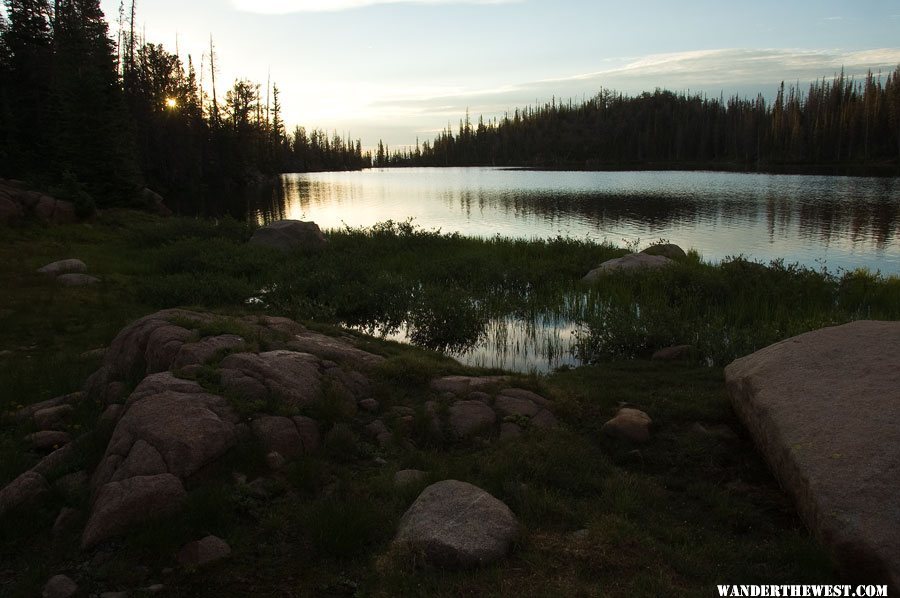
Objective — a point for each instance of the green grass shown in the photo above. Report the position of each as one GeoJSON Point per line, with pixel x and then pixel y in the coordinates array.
{"type": "Point", "coordinates": [679, 514]}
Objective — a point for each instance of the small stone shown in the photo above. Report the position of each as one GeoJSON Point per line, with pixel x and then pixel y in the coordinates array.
{"type": "Point", "coordinates": [155, 588]}
{"type": "Point", "coordinates": [629, 424]}
{"type": "Point", "coordinates": [203, 552]}
{"type": "Point", "coordinates": [47, 440]}
{"type": "Point", "coordinates": [52, 417]}
{"type": "Point", "coordinates": [24, 489]}
{"type": "Point", "coordinates": [59, 586]}
{"type": "Point", "coordinates": [370, 405]}
{"type": "Point", "coordinates": [63, 267]}
{"type": "Point", "coordinates": [275, 461]}
{"type": "Point", "coordinates": [76, 280]}
{"type": "Point", "coordinates": [115, 595]}
{"type": "Point", "coordinates": [380, 461]}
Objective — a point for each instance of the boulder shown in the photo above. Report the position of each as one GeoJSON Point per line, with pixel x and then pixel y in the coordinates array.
{"type": "Point", "coordinates": [66, 521]}
{"type": "Point", "coordinates": [328, 347]}
{"type": "Point", "coordinates": [29, 411]}
{"type": "Point", "coordinates": [76, 280]}
{"type": "Point", "coordinates": [51, 211]}
{"type": "Point", "coordinates": [521, 393]}
{"type": "Point", "coordinates": [59, 586]}
{"type": "Point", "coordinates": [169, 426]}
{"type": "Point", "coordinates": [370, 405]}
{"type": "Point", "coordinates": [629, 424]}
{"type": "Point", "coordinates": [460, 385]}
{"type": "Point", "coordinates": [470, 417]}
{"type": "Point", "coordinates": [203, 552]}
{"type": "Point", "coordinates": [63, 267]}
{"type": "Point", "coordinates": [55, 460]}
{"type": "Point", "coordinates": [506, 405]}
{"type": "Point", "coordinates": [120, 505]}
{"type": "Point", "coordinates": [205, 349]}
{"type": "Point", "coordinates": [669, 250]}
{"type": "Point", "coordinates": [455, 524]}
{"type": "Point", "coordinates": [278, 434]}
{"type": "Point", "coordinates": [287, 376]}
{"type": "Point", "coordinates": [823, 408]}
{"type": "Point", "coordinates": [290, 235]}
{"type": "Point", "coordinates": [10, 211]}
{"type": "Point", "coordinates": [674, 353]}
{"type": "Point", "coordinates": [308, 429]}
{"type": "Point", "coordinates": [146, 346]}
{"type": "Point", "coordinates": [154, 202]}
{"type": "Point", "coordinates": [26, 488]}
{"type": "Point", "coordinates": [629, 262]}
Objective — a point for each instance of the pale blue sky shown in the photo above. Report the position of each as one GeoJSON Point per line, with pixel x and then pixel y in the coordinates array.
{"type": "Point", "coordinates": [396, 70]}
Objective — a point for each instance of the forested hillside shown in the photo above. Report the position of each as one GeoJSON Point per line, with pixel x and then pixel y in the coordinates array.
{"type": "Point", "coordinates": [834, 122]}
{"type": "Point", "coordinates": [98, 119]}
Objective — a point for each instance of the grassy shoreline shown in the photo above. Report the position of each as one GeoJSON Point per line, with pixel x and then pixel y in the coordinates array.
{"type": "Point", "coordinates": [686, 511]}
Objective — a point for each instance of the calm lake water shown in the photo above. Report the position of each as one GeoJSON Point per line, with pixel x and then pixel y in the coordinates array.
{"type": "Point", "coordinates": [838, 223]}
{"type": "Point", "coordinates": [817, 221]}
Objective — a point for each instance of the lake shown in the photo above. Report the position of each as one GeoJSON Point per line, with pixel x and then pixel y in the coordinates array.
{"type": "Point", "coordinates": [817, 221]}
{"type": "Point", "coordinates": [837, 223]}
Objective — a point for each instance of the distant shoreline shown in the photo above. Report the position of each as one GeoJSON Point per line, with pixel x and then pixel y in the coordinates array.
{"type": "Point", "coordinates": [858, 170]}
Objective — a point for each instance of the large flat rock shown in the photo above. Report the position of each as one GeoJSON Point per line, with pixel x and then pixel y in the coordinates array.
{"type": "Point", "coordinates": [824, 409]}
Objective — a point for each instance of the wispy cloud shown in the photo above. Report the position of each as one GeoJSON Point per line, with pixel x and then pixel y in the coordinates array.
{"type": "Point", "coordinates": [742, 71]}
{"type": "Point", "coordinates": [279, 7]}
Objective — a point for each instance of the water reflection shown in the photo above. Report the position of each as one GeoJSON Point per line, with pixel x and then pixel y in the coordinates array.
{"type": "Point", "coordinates": [837, 222]}
{"type": "Point", "coordinates": [817, 221]}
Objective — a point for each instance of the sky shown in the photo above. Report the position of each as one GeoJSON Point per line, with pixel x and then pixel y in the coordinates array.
{"type": "Point", "coordinates": [398, 70]}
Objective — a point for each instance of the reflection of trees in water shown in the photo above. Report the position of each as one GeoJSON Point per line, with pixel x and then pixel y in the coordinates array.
{"type": "Point", "coordinates": [867, 219]}
{"type": "Point", "coordinates": [855, 220]}
{"type": "Point", "coordinates": [859, 211]}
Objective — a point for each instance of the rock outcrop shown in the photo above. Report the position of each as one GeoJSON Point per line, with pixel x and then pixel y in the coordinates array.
{"type": "Point", "coordinates": [18, 203]}
{"type": "Point", "coordinates": [457, 525]}
{"type": "Point", "coordinates": [823, 409]}
{"type": "Point", "coordinates": [171, 427]}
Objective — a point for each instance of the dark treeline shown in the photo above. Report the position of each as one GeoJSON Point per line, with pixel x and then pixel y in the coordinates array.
{"type": "Point", "coordinates": [98, 120]}
{"type": "Point", "coordinates": [836, 122]}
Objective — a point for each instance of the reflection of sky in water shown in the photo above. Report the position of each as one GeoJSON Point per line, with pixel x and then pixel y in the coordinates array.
{"type": "Point", "coordinates": [839, 222]}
